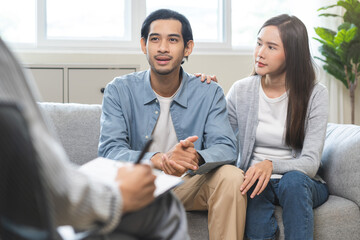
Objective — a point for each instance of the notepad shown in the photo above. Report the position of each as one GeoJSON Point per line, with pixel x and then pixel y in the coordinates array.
{"type": "Point", "coordinates": [105, 170]}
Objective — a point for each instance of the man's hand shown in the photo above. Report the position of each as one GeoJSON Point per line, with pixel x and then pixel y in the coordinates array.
{"type": "Point", "coordinates": [204, 77]}
{"type": "Point", "coordinates": [262, 172]}
{"type": "Point", "coordinates": [137, 186]}
{"type": "Point", "coordinates": [181, 158]}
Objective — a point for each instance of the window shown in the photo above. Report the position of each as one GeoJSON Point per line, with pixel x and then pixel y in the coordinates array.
{"type": "Point", "coordinates": [86, 20]}
{"type": "Point", "coordinates": [248, 18]}
{"type": "Point", "coordinates": [222, 25]}
{"type": "Point", "coordinates": [18, 24]}
{"type": "Point", "coordinates": [205, 16]}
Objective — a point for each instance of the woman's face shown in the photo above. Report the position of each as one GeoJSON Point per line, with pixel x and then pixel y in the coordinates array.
{"type": "Point", "coordinates": [269, 52]}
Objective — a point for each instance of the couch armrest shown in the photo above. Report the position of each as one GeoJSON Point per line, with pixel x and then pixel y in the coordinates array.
{"type": "Point", "coordinates": [341, 161]}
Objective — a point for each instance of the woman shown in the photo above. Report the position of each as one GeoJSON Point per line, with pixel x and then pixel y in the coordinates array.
{"type": "Point", "coordinates": [280, 116]}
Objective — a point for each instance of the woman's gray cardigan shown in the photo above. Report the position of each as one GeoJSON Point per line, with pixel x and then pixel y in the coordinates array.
{"type": "Point", "coordinates": [243, 107]}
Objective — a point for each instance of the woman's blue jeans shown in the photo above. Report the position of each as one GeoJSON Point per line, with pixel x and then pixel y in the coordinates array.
{"type": "Point", "coordinates": [297, 194]}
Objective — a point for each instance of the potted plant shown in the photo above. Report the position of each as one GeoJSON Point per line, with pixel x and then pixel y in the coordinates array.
{"type": "Point", "coordinates": [341, 48]}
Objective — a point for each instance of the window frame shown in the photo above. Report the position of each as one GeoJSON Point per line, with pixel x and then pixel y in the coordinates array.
{"type": "Point", "coordinates": [138, 13]}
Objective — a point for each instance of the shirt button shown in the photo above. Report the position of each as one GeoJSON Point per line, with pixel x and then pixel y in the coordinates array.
{"type": "Point", "coordinates": [146, 136]}
{"type": "Point", "coordinates": [156, 100]}
{"type": "Point", "coordinates": [294, 155]}
{"type": "Point", "coordinates": [156, 112]}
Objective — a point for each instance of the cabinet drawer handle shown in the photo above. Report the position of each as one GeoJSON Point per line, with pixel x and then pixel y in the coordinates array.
{"type": "Point", "coordinates": [102, 90]}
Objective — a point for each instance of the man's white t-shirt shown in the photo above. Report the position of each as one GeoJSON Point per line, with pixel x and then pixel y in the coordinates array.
{"type": "Point", "coordinates": [164, 135]}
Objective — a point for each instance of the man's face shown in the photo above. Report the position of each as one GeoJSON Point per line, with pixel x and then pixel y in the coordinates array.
{"type": "Point", "coordinates": [165, 46]}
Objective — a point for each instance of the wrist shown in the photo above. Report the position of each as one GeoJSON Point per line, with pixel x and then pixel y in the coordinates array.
{"type": "Point", "coordinates": [156, 160]}
{"type": "Point", "coordinates": [201, 160]}
{"type": "Point", "coordinates": [269, 162]}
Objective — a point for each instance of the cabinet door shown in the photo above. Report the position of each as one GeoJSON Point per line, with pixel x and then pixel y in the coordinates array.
{"type": "Point", "coordinates": [85, 85]}
{"type": "Point", "coordinates": [50, 83]}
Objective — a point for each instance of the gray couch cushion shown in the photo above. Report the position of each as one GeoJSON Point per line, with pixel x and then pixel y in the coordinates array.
{"type": "Point", "coordinates": [78, 128]}
{"type": "Point", "coordinates": [198, 222]}
{"type": "Point", "coordinates": [336, 211]}
{"type": "Point", "coordinates": [341, 161]}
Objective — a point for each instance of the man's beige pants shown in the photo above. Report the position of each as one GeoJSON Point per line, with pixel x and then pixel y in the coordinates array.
{"type": "Point", "coordinates": [218, 192]}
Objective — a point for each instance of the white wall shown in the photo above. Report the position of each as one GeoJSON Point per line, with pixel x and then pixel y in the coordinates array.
{"type": "Point", "coordinates": [227, 67]}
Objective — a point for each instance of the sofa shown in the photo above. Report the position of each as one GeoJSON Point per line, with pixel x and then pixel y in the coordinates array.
{"type": "Point", "coordinates": [78, 126]}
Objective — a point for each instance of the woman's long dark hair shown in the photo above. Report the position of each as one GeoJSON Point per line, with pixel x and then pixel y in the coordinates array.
{"type": "Point", "coordinates": [300, 75]}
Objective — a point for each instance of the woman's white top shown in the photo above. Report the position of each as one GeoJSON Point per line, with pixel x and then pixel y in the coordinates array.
{"type": "Point", "coordinates": [270, 134]}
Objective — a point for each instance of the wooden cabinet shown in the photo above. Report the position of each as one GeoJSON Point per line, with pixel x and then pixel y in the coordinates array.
{"type": "Point", "coordinates": [50, 83]}
{"type": "Point", "coordinates": [75, 84]}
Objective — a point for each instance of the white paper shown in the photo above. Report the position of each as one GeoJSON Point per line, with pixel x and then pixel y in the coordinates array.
{"type": "Point", "coordinates": [105, 170]}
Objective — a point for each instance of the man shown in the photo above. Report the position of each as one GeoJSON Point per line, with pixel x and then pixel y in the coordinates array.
{"type": "Point", "coordinates": [127, 206]}
{"type": "Point", "coordinates": [187, 120]}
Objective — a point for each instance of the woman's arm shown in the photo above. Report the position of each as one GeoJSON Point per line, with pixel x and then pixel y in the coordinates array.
{"type": "Point", "coordinates": [307, 160]}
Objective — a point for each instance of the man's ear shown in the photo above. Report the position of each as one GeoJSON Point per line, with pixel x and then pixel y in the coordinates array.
{"type": "Point", "coordinates": [189, 47]}
{"type": "Point", "coordinates": [143, 45]}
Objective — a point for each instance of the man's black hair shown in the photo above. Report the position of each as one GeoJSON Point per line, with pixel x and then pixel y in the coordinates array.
{"type": "Point", "coordinates": [167, 14]}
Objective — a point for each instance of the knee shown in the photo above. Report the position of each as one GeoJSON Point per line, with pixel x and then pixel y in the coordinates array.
{"type": "Point", "coordinates": [226, 183]}
{"type": "Point", "coordinates": [294, 183]}
{"type": "Point", "coordinates": [294, 178]}
{"type": "Point", "coordinates": [230, 175]}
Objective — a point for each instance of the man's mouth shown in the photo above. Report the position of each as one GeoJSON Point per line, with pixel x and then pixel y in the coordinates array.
{"type": "Point", "coordinates": [163, 59]}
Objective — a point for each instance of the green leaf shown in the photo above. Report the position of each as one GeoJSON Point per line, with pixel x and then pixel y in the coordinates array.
{"type": "Point", "coordinates": [339, 75]}
{"type": "Point", "coordinates": [324, 42]}
{"type": "Point", "coordinates": [327, 7]}
{"type": "Point", "coordinates": [354, 52]}
{"type": "Point", "coordinates": [345, 25]}
{"type": "Point", "coordinates": [350, 34]}
{"type": "Point", "coordinates": [348, 5]}
{"type": "Point", "coordinates": [345, 36]}
{"type": "Point", "coordinates": [340, 37]}
{"type": "Point", "coordinates": [335, 64]}
{"type": "Point", "coordinates": [320, 59]}
{"type": "Point", "coordinates": [329, 52]}
{"type": "Point", "coordinates": [329, 15]}
{"type": "Point", "coordinates": [342, 50]}
{"type": "Point", "coordinates": [352, 13]}
{"type": "Point", "coordinates": [326, 34]}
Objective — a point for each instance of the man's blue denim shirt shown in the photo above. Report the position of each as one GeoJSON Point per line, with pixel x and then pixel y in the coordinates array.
{"type": "Point", "coordinates": [130, 110]}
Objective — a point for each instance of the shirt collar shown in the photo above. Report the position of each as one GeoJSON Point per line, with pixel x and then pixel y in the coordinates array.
{"type": "Point", "coordinates": [149, 94]}
{"type": "Point", "coordinates": [181, 96]}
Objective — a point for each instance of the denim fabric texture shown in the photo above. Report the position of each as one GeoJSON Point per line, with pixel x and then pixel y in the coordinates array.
{"type": "Point", "coordinates": [297, 194]}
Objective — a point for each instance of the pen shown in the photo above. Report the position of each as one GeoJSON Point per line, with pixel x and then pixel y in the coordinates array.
{"type": "Point", "coordinates": [144, 150]}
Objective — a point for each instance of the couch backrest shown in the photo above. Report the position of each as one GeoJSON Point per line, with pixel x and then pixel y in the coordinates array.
{"type": "Point", "coordinates": [78, 128]}
{"type": "Point", "coordinates": [341, 161]}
